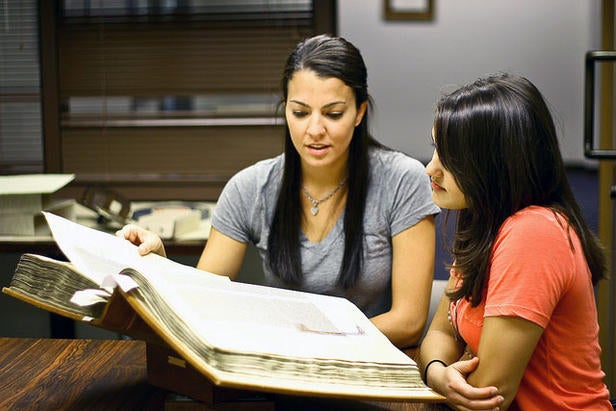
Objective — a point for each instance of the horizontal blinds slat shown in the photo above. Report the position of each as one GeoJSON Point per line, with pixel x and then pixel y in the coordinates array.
{"type": "Point", "coordinates": [178, 122]}
{"type": "Point", "coordinates": [162, 61]}
{"type": "Point", "coordinates": [209, 8]}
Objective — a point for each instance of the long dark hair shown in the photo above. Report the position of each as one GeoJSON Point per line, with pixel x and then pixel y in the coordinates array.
{"type": "Point", "coordinates": [328, 57]}
{"type": "Point", "coordinates": [497, 138]}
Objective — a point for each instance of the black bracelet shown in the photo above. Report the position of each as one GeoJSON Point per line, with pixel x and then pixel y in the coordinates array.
{"type": "Point", "coordinates": [428, 366]}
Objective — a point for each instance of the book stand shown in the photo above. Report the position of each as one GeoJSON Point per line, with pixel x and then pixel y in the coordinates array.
{"type": "Point", "coordinates": [191, 391]}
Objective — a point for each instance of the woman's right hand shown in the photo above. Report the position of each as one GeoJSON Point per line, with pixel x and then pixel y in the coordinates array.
{"type": "Point", "coordinates": [146, 241]}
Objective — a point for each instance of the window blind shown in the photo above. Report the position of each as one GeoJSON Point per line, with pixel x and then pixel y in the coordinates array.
{"type": "Point", "coordinates": [21, 149]}
{"type": "Point", "coordinates": [168, 99]}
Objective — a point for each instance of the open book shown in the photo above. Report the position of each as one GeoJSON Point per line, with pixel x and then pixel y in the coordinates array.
{"type": "Point", "coordinates": [237, 335]}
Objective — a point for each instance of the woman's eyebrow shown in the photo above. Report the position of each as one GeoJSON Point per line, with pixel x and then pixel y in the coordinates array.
{"type": "Point", "coordinates": [333, 103]}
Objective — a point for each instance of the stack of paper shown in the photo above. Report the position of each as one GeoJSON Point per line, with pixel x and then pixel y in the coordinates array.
{"type": "Point", "coordinates": [23, 197]}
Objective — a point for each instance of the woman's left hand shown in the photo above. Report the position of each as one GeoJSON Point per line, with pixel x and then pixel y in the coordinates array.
{"type": "Point", "coordinates": [451, 382]}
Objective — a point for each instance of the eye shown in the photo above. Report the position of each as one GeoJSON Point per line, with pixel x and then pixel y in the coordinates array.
{"type": "Point", "coordinates": [335, 115]}
{"type": "Point", "coordinates": [299, 113]}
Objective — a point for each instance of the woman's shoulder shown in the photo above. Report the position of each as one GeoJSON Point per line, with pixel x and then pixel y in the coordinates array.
{"type": "Point", "coordinates": [536, 216]}
{"type": "Point", "coordinates": [248, 190]}
{"type": "Point", "coordinates": [537, 224]}
{"type": "Point", "coordinates": [399, 187]}
{"type": "Point", "coordinates": [387, 161]}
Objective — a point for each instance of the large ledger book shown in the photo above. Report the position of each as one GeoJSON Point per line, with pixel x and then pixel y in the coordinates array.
{"type": "Point", "coordinates": [238, 336]}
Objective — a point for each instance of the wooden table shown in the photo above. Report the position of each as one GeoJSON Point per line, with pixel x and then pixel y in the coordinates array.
{"type": "Point", "coordinates": [57, 374]}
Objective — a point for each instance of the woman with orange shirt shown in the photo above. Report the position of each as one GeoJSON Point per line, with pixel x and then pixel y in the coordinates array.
{"type": "Point", "coordinates": [520, 299]}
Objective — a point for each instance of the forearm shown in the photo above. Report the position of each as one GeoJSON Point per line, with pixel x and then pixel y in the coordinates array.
{"type": "Point", "coordinates": [402, 331]}
{"type": "Point", "coordinates": [439, 341]}
{"type": "Point", "coordinates": [222, 255]}
{"type": "Point", "coordinates": [439, 345]}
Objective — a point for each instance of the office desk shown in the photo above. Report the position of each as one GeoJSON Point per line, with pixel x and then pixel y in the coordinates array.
{"type": "Point", "coordinates": [53, 374]}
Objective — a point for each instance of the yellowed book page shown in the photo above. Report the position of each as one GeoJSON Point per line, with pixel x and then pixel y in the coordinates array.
{"type": "Point", "coordinates": [98, 254]}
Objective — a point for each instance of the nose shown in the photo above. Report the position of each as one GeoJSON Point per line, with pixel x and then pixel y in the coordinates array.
{"type": "Point", "coordinates": [433, 167]}
{"type": "Point", "coordinates": [315, 126]}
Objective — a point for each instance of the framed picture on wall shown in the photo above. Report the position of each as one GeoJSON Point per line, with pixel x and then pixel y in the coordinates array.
{"type": "Point", "coordinates": [408, 9]}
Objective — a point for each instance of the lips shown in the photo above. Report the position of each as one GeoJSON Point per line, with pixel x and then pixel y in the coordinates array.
{"type": "Point", "coordinates": [436, 186]}
{"type": "Point", "coordinates": [318, 149]}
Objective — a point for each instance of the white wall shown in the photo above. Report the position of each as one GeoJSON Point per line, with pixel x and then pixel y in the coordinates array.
{"type": "Point", "coordinates": [411, 63]}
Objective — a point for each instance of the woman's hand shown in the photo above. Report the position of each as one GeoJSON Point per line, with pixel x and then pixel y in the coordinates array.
{"type": "Point", "coordinates": [146, 241]}
{"type": "Point", "coordinates": [451, 383]}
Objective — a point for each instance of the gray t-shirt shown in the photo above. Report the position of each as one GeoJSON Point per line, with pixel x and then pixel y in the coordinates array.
{"type": "Point", "coordinates": [398, 197]}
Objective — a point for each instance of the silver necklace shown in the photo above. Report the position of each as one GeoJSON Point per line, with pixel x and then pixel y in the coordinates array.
{"type": "Point", "coordinates": [315, 203]}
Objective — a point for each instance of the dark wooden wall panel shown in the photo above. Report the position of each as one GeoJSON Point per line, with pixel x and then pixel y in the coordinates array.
{"type": "Point", "coordinates": [124, 60]}
{"type": "Point", "coordinates": [168, 150]}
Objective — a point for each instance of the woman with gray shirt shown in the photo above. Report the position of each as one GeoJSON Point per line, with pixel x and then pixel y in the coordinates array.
{"type": "Point", "coordinates": [337, 213]}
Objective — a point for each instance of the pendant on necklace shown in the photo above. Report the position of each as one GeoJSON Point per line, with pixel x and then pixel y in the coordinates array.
{"type": "Point", "coordinates": [315, 203]}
